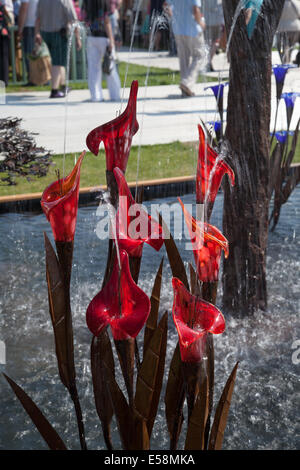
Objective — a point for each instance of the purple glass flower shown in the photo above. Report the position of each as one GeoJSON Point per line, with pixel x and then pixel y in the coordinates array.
{"type": "Point", "coordinates": [281, 70]}
{"type": "Point", "coordinates": [218, 90]}
{"type": "Point", "coordinates": [216, 125]}
{"type": "Point", "coordinates": [281, 136]}
{"type": "Point", "coordinates": [289, 99]}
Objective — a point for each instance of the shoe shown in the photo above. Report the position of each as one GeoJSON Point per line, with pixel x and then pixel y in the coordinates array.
{"type": "Point", "coordinates": [185, 90]}
{"type": "Point", "coordinates": [210, 68]}
{"type": "Point", "coordinates": [65, 89]}
{"type": "Point", "coordinates": [29, 84]}
{"type": "Point", "coordinates": [56, 94]}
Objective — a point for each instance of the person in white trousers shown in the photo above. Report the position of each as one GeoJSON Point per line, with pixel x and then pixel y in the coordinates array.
{"type": "Point", "coordinates": [96, 14]}
{"type": "Point", "coordinates": [188, 26]}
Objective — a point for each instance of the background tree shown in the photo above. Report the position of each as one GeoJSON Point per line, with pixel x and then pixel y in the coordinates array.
{"type": "Point", "coordinates": [246, 206]}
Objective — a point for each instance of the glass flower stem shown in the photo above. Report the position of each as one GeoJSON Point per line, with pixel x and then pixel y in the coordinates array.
{"type": "Point", "coordinates": [192, 376]}
{"type": "Point", "coordinates": [275, 121]}
{"type": "Point", "coordinates": [209, 293]}
{"type": "Point", "coordinates": [75, 398]}
{"type": "Point", "coordinates": [178, 420]}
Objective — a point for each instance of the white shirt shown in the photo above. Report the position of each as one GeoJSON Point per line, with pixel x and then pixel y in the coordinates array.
{"type": "Point", "coordinates": [31, 13]}
{"type": "Point", "coordinates": [8, 4]}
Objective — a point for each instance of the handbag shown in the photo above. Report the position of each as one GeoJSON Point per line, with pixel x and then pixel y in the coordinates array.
{"type": "Point", "coordinates": [40, 64]}
{"type": "Point", "coordinates": [108, 62]}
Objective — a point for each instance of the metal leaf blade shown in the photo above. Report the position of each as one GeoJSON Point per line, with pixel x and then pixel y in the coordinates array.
{"type": "Point", "coordinates": [150, 376]}
{"type": "Point", "coordinates": [174, 398]}
{"type": "Point", "coordinates": [220, 420]}
{"type": "Point", "coordinates": [101, 352]}
{"type": "Point", "coordinates": [48, 433]}
{"type": "Point", "coordinates": [57, 308]}
{"type": "Point", "coordinates": [195, 438]}
{"type": "Point", "coordinates": [120, 407]}
{"type": "Point", "coordinates": [175, 260]}
{"type": "Point", "coordinates": [151, 323]}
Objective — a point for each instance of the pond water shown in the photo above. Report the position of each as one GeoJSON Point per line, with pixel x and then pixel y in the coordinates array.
{"type": "Point", "coordinates": [266, 396]}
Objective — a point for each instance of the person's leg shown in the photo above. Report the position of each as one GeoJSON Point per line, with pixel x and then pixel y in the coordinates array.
{"type": "Point", "coordinates": [113, 82]}
{"type": "Point", "coordinates": [4, 59]}
{"type": "Point", "coordinates": [59, 61]}
{"type": "Point", "coordinates": [183, 56]}
{"type": "Point", "coordinates": [197, 50]}
{"type": "Point", "coordinates": [28, 45]}
{"type": "Point", "coordinates": [94, 68]}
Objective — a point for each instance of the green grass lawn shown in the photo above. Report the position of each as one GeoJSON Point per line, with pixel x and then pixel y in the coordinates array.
{"type": "Point", "coordinates": [157, 76]}
{"type": "Point", "coordinates": [156, 161]}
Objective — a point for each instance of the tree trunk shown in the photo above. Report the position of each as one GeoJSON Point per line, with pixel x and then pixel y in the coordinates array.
{"type": "Point", "coordinates": [245, 217]}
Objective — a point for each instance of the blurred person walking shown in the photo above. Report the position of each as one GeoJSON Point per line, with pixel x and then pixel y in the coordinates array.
{"type": "Point", "coordinates": [6, 20]}
{"type": "Point", "coordinates": [100, 39]}
{"type": "Point", "coordinates": [214, 19]}
{"type": "Point", "coordinates": [288, 30]}
{"type": "Point", "coordinates": [114, 16]}
{"type": "Point", "coordinates": [188, 26]}
{"type": "Point", "coordinates": [26, 23]}
{"type": "Point", "coordinates": [53, 17]}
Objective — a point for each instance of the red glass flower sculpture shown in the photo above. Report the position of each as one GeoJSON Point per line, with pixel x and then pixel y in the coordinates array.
{"type": "Point", "coordinates": [60, 203]}
{"type": "Point", "coordinates": [131, 236]}
{"type": "Point", "coordinates": [121, 304]}
{"type": "Point", "coordinates": [208, 243]}
{"type": "Point", "coordinates": [117, 134]}
{"type": "Point", "coordinates": [210, 171]}
{"type": "Point", "coordinates": [194, 318]}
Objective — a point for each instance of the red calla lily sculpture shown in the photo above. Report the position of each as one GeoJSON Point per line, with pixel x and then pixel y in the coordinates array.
{"type": "Point", "coordinates": [60, 203]}
{"type": "Point", "coordinates": [147, 229]}
{"type": "Point", "coordinates": [210, 171]}
{"type": "Point", "coordinates": [117, 134]}
{"type": "Point", "coordinates": [208, 243]}
{"type": "Point", "coordinates": [194, 319]}
{"type": "Point", "coordinates": [121, 304]}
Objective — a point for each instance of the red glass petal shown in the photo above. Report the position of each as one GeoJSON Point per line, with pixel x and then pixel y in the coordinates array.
{"type": "Point", "coordinates": [60, 203]}
{"type": "Point", "coordinates": [194, 318]}
{"type": "Point", "coordinates": [121, 304]}
{"type": "Point", "coordinates": [147, 229]}
{"type": "Point", "coordinates": [117, 134]}
{"type": "Point", "coordinates": [210, 171]}
{"type": "Point", "coordinates": [208, 243]}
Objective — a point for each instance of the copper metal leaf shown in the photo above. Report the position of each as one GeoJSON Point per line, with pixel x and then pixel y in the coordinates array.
{"type": "Point", "coordinates": [57, 308]}
{"type": "Point", "coordinates": [48, 433]}
{"type": "Point", "coordinates": [159, 377]}
{"type": "Point", "coordinates": [132, 427]}
{"type": "Point", "coordinates": [121, 409]}
{"type": "Point", "coordinates": [220, 420]}
{"type": "Point", "coordinates": [195, 438]}
{"type": "Point", "coordinates": [155, 301]}
{"type": "Point", "coordinates": [174, 398]}
{"type": "Point", "coordinates": [126, 353]}
{"type": "Point", "coordinates": [101, 352]}
{"type": "Point", "coordinates": [150, 375]}
{"type": "Point", "coordinates": [175, 260]}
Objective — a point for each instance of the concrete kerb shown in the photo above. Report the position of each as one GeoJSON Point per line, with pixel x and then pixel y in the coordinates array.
{"type": "Point", "coordinates": [152, 189]}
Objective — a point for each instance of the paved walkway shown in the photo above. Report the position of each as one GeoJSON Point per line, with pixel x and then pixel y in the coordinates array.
{"type": "Point", "coordinates": [162, 114]}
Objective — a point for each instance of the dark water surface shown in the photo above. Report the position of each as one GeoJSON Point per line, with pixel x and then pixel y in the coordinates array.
{"type": "Point", "coordinates": [265, 405]}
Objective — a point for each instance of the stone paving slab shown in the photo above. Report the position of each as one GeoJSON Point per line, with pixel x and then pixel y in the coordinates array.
{"type": "Point", "coordinates": [164, 116]}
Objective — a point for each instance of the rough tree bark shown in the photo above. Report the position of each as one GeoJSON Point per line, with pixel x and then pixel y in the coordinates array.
{"type": "Point", "coordinates": [245, 216]}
